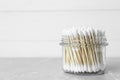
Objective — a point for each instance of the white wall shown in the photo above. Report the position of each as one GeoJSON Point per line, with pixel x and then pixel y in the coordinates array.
{"type": "Point", "coordinates": [32, 28]}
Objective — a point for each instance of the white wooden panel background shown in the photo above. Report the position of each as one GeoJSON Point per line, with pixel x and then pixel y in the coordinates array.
{"type": "Point", "coordinates": [58, 4]}
{"type": "Point", "coordinates": [32, 28]}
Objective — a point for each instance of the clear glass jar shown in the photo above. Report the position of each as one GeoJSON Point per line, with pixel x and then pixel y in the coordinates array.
{"type": "Point", "coordinates": [82, 57]}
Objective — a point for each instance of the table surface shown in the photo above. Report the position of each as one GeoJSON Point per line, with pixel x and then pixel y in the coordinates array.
{"type": "Point", "coordinates": [50, 69]}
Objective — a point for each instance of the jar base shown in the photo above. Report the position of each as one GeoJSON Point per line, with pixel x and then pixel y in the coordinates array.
{"type": "Point", "coordinates": [86, 73]}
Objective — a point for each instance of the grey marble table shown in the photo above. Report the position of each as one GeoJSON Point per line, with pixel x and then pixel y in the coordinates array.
{"type": "Point", "coordinates": [50, 69]}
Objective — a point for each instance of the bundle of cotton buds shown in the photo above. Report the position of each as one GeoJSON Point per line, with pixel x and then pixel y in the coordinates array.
{"type": "Point", "coordinates": [84, 50]}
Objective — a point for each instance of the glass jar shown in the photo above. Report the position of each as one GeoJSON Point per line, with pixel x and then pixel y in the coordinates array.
{"type": "Point", "coordinates": [83, 57]}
